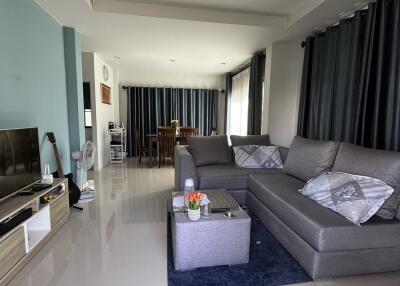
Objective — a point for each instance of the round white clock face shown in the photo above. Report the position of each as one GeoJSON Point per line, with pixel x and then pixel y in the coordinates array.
{"type": "Point", "coordinates": [105, 73]}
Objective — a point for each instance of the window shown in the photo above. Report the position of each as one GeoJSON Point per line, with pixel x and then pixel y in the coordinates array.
{"type": "Point", "coordinates": [239, 104]}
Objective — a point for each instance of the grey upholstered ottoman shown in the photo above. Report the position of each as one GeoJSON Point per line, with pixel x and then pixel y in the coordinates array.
{"type": "Point", "coordinates": [212, 241]}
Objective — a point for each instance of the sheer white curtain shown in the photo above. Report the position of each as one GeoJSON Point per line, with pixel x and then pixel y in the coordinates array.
{"type": "Point", "coordinates": [239, 103]}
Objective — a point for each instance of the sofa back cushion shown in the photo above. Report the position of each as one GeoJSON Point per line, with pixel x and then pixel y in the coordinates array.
{"type": "Point", "coordinates": [283, 152]}
{"type": "Point", "coordinates": [260, 140]}
{"type": "Point", "coordinates": [389, 209]}
{"type": "Point", "coordinates": [383, 165]}
{"type": "Point", "coordinates": [210, 150]}
{"type": "Point", "coordinates": [398, 213]}
{"type": "Point", "coordinates": [308, 158]}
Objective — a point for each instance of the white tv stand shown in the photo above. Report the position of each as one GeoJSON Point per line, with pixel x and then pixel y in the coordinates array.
{"type": "Point", "coordinates": [19, 245]}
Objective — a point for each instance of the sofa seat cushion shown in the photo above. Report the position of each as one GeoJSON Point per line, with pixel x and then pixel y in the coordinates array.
{"type": "Point", "coordinates": [227, 177]}
{"type": "Point", "coordinates": [320, 227]}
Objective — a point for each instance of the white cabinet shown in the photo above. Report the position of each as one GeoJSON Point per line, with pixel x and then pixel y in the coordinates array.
{"type": "Point", "coordinates": [117, 145]}
{"type": "Point", "coordinates": [36, 228]}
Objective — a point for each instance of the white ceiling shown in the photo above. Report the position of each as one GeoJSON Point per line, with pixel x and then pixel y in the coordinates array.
{"type": "Point", "coordinates": [198, 34]}
{"type": "Point", "coordinates": [283, 7]}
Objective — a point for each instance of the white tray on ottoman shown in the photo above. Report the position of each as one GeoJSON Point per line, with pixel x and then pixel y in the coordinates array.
{"type": "Point", "coordinates": [212, 241]}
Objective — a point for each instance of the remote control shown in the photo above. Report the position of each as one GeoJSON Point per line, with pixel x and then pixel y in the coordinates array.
{"type": "Point", "coordinates": [219, 210]}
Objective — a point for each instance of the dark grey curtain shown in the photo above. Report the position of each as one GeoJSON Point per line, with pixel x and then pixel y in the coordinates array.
{"type": "Point", "coordinates": [150, 107]}
{"type": "Point", "coordinates": [228, 92]}
{"type": "Point", "coordinates": [351, 80]}
{"type": "Point", "coordinates": [257, 67]}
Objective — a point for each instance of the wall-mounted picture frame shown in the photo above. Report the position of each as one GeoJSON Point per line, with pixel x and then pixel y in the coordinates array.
{"type": "Point", "coordinates": [105, 92]}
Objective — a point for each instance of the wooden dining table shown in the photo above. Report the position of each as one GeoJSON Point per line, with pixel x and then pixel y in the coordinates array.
{"type": "Point", "coordinates": [153, 139]}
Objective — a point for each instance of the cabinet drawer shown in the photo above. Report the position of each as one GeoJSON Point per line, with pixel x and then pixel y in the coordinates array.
{"type": "Point", "coordinates": [12, 250]}
{"type": "Point", "coordinates": [59, 210]}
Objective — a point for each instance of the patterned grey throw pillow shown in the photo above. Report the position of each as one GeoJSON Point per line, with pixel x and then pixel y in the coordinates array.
{"type": "Point", "coordinates": [254, 156]}
{"type": "Point", "coordinates": [357, 198]}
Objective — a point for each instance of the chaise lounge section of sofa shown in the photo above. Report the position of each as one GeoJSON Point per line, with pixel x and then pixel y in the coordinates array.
{"type": "Point", "coordinates": [322, 241]}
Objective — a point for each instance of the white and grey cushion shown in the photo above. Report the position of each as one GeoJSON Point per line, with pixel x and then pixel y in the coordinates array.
{"type": "Point", "coordinates": [255, 156]}
{"type": "Point", "coordinates": [357, 198]}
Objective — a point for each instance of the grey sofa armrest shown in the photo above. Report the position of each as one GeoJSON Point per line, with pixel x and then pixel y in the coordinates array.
{"type": "Point", "coordinates": [184, 168]}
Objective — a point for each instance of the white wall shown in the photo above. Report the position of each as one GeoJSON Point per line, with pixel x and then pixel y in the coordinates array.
{"type": "Point", "coordinates": [101, 113]}
{"type": "Point", "coordinates": [267, 81]}
{"type": "Point", "coordinates": [284, 63]}
{"type": "Point", "coordinates": [115, 90]}
{"type": "Point", "coordinates": [104, 112]}
{"type": "Point", "coordinates": [88, 76]}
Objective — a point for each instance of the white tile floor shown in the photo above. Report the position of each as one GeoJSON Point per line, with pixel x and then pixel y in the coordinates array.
{"type": "Point", "coordinates": [120, 239]}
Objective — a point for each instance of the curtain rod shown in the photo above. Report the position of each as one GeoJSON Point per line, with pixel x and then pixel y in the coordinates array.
{"type": "Point", "coordinates": [241, 67]}
{"type": "Point", "coordinates": [343, 15]}
{"type": "Point", "coordinates": [245, 64]}
{"type": "Point", "coordinates": [220, 90]}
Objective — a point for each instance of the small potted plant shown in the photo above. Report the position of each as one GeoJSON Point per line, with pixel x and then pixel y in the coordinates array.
{"type": "Point", "coordinates": [194, 199]}
{"type": "Point", "coordinates": [176, 124]}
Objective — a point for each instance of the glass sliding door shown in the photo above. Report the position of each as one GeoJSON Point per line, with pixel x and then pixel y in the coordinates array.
{"type": "Point", "coordinates": [239, 103]}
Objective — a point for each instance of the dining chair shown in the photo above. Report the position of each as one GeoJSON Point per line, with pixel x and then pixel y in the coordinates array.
{"type": "Point", "coordinates": [185, 132]}
{"type": "Point", "coordinates": [166, 143]}
{"type": "Point", "coordinates": [143, 150]}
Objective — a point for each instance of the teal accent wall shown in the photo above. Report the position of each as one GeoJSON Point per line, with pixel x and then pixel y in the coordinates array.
{"type": "Point", "coordinates": [32, 75]}
{"type": "Point", "coordinates": [73, 70]}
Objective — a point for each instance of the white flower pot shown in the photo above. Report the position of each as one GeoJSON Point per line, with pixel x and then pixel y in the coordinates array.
{"type": "Point", "coordinates": [194, 214]}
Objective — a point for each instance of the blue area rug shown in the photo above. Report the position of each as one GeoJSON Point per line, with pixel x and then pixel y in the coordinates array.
{"type": "Point", "coordinates": [270, 264]}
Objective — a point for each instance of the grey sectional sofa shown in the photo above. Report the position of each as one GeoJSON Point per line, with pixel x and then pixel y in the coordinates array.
{"type": "Point", "coordinates": [322, 241]}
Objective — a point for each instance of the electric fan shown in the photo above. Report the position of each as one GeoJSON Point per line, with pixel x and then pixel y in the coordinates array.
{"type": "Point", "coordinates": [85, 161]}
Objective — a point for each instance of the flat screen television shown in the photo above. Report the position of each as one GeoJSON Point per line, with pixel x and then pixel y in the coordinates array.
{"type": "Point", "coordinates": [19, 160]}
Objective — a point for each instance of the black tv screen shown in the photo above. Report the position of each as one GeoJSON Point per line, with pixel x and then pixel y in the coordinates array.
{"type": "Point", "coordinates": [19, 160]}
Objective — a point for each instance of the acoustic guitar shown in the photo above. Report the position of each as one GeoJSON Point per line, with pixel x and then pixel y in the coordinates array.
{"type": "Point", "coordinates": [74, 191]}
